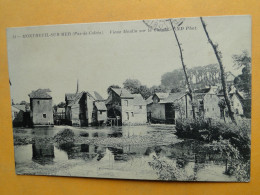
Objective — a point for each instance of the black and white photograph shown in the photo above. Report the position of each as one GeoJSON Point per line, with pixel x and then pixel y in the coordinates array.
{"type": "Point", "coordinates": [157, 99]}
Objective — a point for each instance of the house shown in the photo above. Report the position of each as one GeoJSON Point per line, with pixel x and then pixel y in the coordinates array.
{"type": "Point", "coordinates": [69, 98]}
{"type": "Point", "coordinates": [41, 107]}
{"type": "Point", "coordinates": [167, 107]}
{"type": "Point", "coordinates": [20, 115]}
{"type": "Point", "coordinates": [126, 108]}
{"type": "Point", "coordinates": [59, 116]}
{"type": "Point", "coordinates": [87, 108]}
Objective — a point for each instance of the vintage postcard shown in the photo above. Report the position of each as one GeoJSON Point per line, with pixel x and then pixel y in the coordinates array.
{"type": "Point", "coordinates": [162, 99]}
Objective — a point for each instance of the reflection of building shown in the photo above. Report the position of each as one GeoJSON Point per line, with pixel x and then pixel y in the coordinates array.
{"type": "Point", "coordinates": [125, 107]}
{"type": "Point", "coordinates": [43, 152]}
{"type": "Point", "coordinates": [83, 151]}
{"type": "Point", "coordinates": [41, 107]}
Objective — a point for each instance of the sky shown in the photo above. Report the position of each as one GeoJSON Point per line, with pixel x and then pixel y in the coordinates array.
{"type": "Point", "coordinates": [109, 53]}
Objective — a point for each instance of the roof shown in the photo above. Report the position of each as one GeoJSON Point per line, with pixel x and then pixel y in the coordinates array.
{"type": "Point", "coordinates": [95, 95]}
{"type": "Point", "coordinates": [76, 98]}
{"type": "Point", "coordinates": [123, 93]}
{"type": "Point", "coordinates": [173, 97]}
{"type": "Point", "coordinates": [149, 100]}
{"type": "Point", "coordinates": [40, 93]}
{"type": "Point", "coordinates": [60, 110]}
{"type": "Point", "coordinates": [100, 105]}
{"type": "Point", "coordinates": [162, 96]}
{"type": "Point", "coordinates": [205, 90]}
{"type": "Point", "coordinates": [19, 107]}
{"type": "Point", "coordinates": [70, 96]}
{"type": "Point", "coordinates": [139, 100]}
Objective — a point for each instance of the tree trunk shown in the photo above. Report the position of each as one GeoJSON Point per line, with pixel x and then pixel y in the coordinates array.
{"type": "Point", "coordinates": [222, 73]}
{"type": "Point", "coordinates": [185, 71]}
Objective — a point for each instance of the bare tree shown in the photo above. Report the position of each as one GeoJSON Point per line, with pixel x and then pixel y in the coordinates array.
{"type": "Point", "coordinates": [222, 72]}
{"type": "Point", "coordinates": [161, 25]}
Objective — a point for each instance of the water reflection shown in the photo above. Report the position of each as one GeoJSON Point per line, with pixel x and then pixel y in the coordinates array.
{"type": "Point", "coordinates": [188, 156]}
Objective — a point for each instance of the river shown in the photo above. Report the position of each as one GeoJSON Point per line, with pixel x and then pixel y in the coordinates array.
{"type": "Point", "coordinates": [133, 161]}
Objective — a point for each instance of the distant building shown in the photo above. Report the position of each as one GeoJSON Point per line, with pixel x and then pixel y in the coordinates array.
{"type": "Point", "coordinates": [20, 116]}
{"type": "Point", "coordinates": [60, 116]}
{"type": "Point", "coordinates": [167, 107]}
{"type": "Point", "coordinates": [125, 107]}
{"type": "Point", "coordinates": [87, 108]}
{"type": "Point", "coordinates": [41, 107]}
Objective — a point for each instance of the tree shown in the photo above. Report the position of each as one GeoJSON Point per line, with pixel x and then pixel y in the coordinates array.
{"type": "Point", "coordinates": [161, 25]}
{"type": "Point", "coordinates": [61, 105]}
{"type": "Point", "coordinates": [112, 86]}
{"type": "Point", "coordinates": [145, 91]}
{"type": "Point", "coordinates": [132, 85]}
{"type": "Point", "coordinates": [222, 106]}
{"type": "Point", "coordinates": [158, 89]}
{"type": "Point", "coordinates": [222, 72]}
{"type": "Point", "coordinates": [175, 90]}
{"type": "Point", "coordinates": [243, 81]}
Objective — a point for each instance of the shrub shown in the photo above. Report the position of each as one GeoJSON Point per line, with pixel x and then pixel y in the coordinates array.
{"type": "Point", "coordinates": [65, 136]}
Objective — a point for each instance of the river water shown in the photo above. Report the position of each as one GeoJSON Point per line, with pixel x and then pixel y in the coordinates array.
{"type": "Point", "coordinates": [188, 157]}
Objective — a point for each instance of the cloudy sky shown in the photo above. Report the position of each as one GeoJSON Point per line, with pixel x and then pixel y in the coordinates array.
{"type": "Point", "coordinates": [99, 60]}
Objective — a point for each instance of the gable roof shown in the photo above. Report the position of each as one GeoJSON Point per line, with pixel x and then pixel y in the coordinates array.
{"type": "Point", "coordinates": [139, 100]}
{"type": "Point", "coordinates": [204, 90]}
{"type": "Point", "coordinates": [100, 105]}
{"type": "Point", "coordinates": [40, 93]}
{"type": "Point", "coordinates": [19, 107]}
{"type": "Point", "coordinates": [123, 93]}
{"type": "Point", "coordinates": [95, 95]}
{"type": "Point", "coordinates": [76, 99]}
{"type": "Point", "coordinates": [70, 96]}
{"type": "Point", "coordinates": [162, 96]}
{"type": "Point", "coordinates": [149, 100]}
{"type": "Point", "coordinates": [173, 97]}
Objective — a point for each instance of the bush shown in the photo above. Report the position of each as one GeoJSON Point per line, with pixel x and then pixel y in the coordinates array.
{"type": "Point", "coordinates": [65, 136]}
{"type": "Point", "coordinates": [200, 129]}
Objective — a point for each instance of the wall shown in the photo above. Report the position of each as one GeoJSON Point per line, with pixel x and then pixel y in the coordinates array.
{"type": "Point", "coordinates": [158, 111]}
{"type": "Point", "coordinates": [211, 108]}
{"type": "Point", "coordinates": [40, 107]}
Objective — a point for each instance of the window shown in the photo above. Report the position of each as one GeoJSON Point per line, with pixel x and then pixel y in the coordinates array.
{"type": "Point", "coordinates": [140, 107]}
{"type": "Point", "coordinates": [127, 115]}
{"type": "Point", "coordinates": [44, 115]}
{"type": "Point", "coordinates": [132, 114]}
{"type": "Point", "coordinates": [100, 112]}
{"type": "Point", "coordinates": [126, 102]}
{"type": "Point", "coordinates": [38, 102]}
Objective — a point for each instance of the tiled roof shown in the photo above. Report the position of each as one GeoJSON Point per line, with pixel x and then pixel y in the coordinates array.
{"type": "Point", "coordinates": [162, 96]}
{"type": "Point", "coordinates": [70, 96]}
{"type": "Point", "coordinates": [40, 93]}
{"type": "Point", "coordinates": [139, 100]}
{"type": "Point", "coordinates": [123, 93]}
{"type": "Point", "coordinates": [205, 90]}
{"type": "Point", "coordinates": [20, 107]}
{"type": "Point", "coordinates": [95, 95]}
{"type": "Point", "coordinates": [173, 97]}
{"type": "Point", "coordinates": [76, 98]}
{"type": "Point", "coordinates": [149, 100]}
{"type": "Point", "coordinates": [100, 105]}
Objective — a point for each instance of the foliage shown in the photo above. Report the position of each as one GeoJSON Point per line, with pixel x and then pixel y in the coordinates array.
{"type": "Point", "coordinates": [200, 77]}
{"type": "Point", "coordinates": [112, 86]}
{"type": "Point", "coordinates": [239, 135]}
{"type": "Point", "coordinates": [132, 85]}
{"type": "Point", "coordinates": [168, 172]}
{"type": "Point", "coordinates": [65, 136]}
{"type": "Point", "coordinates": [243, 81]}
